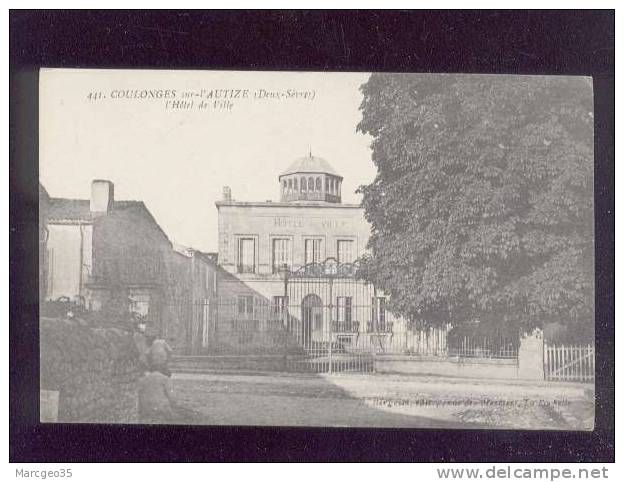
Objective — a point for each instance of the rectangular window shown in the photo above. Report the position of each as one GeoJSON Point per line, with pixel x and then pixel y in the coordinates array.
{"type": "Point", "coordinates": [345, 251]}
{"type": "Point", "coordinates": [246, 255]}
{"type": "Point", "coordinates": [246, 307]}
{"type": "Point", "coordinates": [279, 303]}
{"type": "Point", "coordinates": [281, 253]}
{"type": "Point", "coordinates": [278, 307]}
{"type": "Point", "coordinates": [378, 321]}
{"type": "Point", "coordinates": [312, 251]}
{"type": "Point", "coordinates": [344, 309]}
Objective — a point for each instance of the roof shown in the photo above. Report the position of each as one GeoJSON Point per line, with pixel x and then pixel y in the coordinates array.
{"type": "Point", "coordinates": [43, 194]}
{"type": "Point", "coordinates": [289, 204]}
{"type": "Point", "coordinates": [70, 211]}
{"type": "Point", "coordinates": [189, 252]}
{"type": "Point", "coordinates": [311, 164]}
{"type": "Point", "coordinates": [62, 209]}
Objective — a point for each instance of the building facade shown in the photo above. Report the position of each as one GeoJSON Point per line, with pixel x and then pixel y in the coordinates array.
{"type": "Point", "coordinates": [289, 256]}
{"type": "Point", "coordinates": [101, 252]}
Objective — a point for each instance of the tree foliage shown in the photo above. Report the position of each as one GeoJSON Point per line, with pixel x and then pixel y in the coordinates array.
{"type": "Point", "coordinates": [482, 207]}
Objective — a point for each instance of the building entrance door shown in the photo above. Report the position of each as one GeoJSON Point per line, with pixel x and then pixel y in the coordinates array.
{"type": "Point", "coordinates": [311, 318]}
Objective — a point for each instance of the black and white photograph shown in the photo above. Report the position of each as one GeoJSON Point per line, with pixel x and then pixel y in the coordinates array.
{"type": "Point", "coordinates": [316, 249]}
{"type": "Point", "coordinates": [312, 236]}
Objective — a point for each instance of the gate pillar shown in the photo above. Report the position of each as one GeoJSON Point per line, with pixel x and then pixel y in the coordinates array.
{"type": "Point", "coordinates": [531, 356]}
{"type": "Point", "coordinates": [331, 328]}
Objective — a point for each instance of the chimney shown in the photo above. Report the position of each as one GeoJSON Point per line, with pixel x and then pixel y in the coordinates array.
{"type": "Point", "coordinates": [102, 196]}
{"type": "Point", "coordinates": [227, 194]}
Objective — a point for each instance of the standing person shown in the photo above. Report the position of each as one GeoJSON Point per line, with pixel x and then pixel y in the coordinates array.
{"type": "Point", "coordinates": [140, 341]}
{"type": "Point", "coordinates": [159, 356]}
{"type": "Point", "coordinates": [156, 400]}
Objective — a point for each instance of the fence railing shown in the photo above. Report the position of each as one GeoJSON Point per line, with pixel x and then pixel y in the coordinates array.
{"type": "Point", "coordinates": [569, 363]}
{"type": "Point", "coordinates": [247, 326]}
{"type": "Point", "coordinates": [483, 347]}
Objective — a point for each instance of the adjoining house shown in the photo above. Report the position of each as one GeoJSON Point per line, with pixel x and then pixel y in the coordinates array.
{"type": "Point", "coordinates": [192, 289]}
{"type": "Point", "coordinates": [100, 251]}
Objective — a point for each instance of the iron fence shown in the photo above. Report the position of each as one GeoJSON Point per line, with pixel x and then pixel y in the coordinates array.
{"type": "Point", "coordinates": [489, 346]}
{"type": "Point", "coordinates": [317, 336]}
{"type": "Point", "coordinates": [326, 318]}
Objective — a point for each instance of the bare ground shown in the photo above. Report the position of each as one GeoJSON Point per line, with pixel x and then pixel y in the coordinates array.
{"type": "Point", "coordinates": [382, 401]}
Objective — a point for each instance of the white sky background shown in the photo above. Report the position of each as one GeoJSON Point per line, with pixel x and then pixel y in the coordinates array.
{"type": "Point", "coordinates": [177, 161]}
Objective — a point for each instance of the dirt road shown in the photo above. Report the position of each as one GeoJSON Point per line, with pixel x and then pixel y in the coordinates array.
{"type": "Point", "coordinates": [382, 401]}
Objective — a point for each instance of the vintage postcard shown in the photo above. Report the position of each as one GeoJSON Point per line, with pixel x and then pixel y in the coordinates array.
{"type": "Point", "coordinates": [316, 249]}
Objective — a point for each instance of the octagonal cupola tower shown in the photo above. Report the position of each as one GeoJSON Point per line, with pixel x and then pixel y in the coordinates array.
{"type": "Point", "coordinates": [310, 178]}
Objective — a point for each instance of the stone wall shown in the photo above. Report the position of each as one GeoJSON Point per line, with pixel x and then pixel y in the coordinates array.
{"type": "Point", "coordinates": [94, 369]}
{"type": "Point", "coordinates": [442, 366]}
{"type": "Point", "coordinates": [529, 365]}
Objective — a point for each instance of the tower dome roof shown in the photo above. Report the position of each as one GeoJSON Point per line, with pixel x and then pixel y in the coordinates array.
{"type": "Point", "coordinates": [310, 164]}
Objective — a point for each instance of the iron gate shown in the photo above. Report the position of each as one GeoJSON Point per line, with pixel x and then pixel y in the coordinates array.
{"type": "Point", "coordinates": [331, 313]}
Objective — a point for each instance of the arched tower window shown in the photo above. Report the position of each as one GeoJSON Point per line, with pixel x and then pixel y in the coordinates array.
{"type": "Point", "coordinates": [310, 178]}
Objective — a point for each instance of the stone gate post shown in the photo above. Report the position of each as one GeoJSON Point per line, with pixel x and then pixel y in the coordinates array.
{"type": "Point", "coordinates": [531, 356]}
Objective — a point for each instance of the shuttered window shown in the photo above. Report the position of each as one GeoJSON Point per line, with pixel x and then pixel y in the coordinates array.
{"type": "Point", "coordinates": [345, 251]}
{"type": "Point", "coordinates": [246, 255]}
{"type": "Point", "coordinates": [378, 315]}
{"type": "Point", "coordinates": [344, 305]}
{"type": "Point", "coordinates": [281, 253]}
{"type": "Point", "coordinates": [312, 251]}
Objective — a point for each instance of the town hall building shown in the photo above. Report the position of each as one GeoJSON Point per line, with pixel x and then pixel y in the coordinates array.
{"type": "Point", "coordinates": [308, 225]}
{"type": "Point", "coordinates": [283, 263]}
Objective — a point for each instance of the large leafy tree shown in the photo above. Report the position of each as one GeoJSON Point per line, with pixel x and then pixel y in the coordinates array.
{"type": "Point", "coordinates": [482, 207]}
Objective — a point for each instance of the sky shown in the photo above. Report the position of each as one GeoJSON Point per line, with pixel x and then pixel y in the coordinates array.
{"type": "Point", "coordinates": [111, 124]}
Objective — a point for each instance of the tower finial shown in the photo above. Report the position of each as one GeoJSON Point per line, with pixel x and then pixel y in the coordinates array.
{"type": "Point", "coordinates": [310, 146]}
